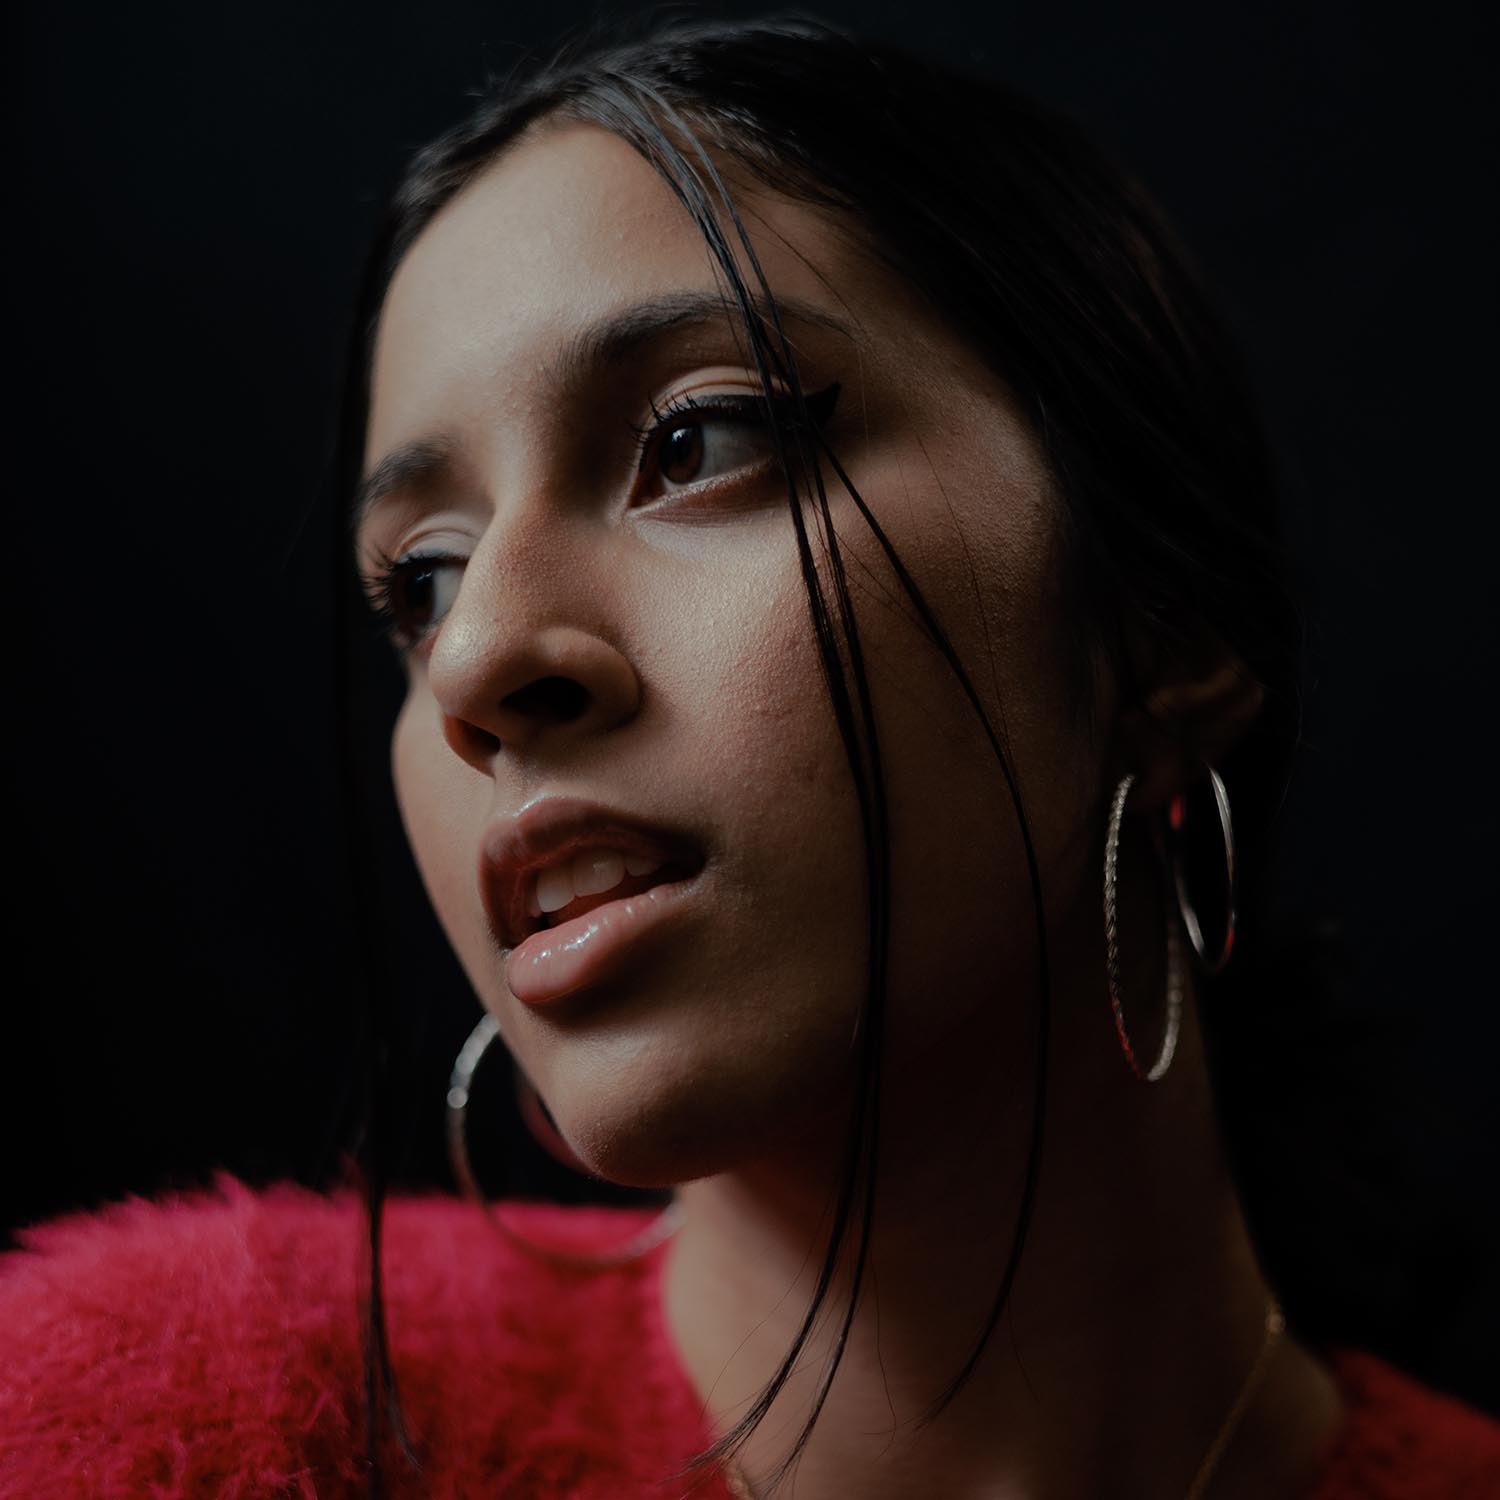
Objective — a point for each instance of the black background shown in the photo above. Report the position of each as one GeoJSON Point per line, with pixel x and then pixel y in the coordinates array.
{"type": "Point", "coordinates": [191, 188]}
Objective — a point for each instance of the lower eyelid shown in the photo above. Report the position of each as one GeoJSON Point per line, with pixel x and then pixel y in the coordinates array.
{"type": "Point", "coordinates": [708, 496]}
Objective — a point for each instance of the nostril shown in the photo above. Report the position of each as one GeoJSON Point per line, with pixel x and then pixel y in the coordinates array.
{"type": "Point", "coordinates": [477, 746]}
{"type": "Point", "coordinates": [558, 700]}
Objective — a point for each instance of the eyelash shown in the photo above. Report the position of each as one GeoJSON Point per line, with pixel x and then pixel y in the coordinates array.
{"type": "Point", "coordinates": [391, 575]}
{"type": "Point", "coordinates": [749, 410]}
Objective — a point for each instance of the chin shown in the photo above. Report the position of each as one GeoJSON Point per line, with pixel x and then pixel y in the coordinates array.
{"type": "Point", "coordinates": [662, 1140]}
{"type": "Point", "coordinates": [677, 1124]}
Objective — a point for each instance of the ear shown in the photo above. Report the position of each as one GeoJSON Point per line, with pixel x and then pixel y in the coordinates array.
{"type": "Point", "coordinates": [1195, 709]}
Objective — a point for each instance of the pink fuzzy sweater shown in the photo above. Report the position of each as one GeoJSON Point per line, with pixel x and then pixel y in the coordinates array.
{"type": "Point", "coordinates": [209, 1346]}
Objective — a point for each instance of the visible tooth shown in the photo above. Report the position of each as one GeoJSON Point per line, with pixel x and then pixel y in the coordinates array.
{"type": "Point", "coordinates": [599, 870]}
{"type": "Point", "coordinates": [587, 874]}
{"type": "Point", "coordinates": [554, 887]}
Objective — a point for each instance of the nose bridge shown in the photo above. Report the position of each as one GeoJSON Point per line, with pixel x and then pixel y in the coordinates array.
{"type": "Point", "coordinates": [527, 652]}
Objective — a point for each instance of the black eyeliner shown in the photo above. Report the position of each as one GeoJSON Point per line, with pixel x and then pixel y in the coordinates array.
{"type": "Point", "coordinates": [819, 408]}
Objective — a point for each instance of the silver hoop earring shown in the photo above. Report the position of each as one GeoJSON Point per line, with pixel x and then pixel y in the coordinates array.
{"type": "Point", "coordinates": [641, 1243]}
{"type": "Point", "coordinates": [1189, 916]}
{"type": "Point", "coordinates": [1112, 952]}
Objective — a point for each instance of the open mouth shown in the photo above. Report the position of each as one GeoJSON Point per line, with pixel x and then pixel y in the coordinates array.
{"type": "Point", "coordinates": [549, 887]}
{"type": "Point", "coordinates": [561, 859]}
{"type": "Point", "coordinates": [593, 937]}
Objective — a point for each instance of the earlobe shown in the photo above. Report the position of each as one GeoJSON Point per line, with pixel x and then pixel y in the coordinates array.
{"type": "Point", "coordinates": [1185, 724]}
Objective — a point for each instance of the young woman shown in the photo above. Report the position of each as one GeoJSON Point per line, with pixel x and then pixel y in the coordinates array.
{"type": "Point", "coordinates": [850, 674]}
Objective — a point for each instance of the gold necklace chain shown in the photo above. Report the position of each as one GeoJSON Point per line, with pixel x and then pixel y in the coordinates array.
{"type": "Point", "coordinates": [739, 1486]}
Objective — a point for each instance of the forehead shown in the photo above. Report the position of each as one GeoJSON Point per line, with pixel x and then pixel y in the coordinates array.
{"type": "Point", "coordinates": [567, 228]}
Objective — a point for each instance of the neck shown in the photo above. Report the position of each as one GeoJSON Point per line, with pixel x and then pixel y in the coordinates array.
{"type": "Point", "coordinates": [1137, 1311]}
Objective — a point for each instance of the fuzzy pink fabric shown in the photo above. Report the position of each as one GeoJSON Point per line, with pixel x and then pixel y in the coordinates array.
{"type": "Point", "coordinates": [209, 1346]}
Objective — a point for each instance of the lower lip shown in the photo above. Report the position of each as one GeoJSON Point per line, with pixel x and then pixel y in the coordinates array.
{"type": "Point", "coordinates": [558, 961]}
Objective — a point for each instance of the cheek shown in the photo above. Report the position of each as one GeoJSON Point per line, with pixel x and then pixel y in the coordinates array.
{"type": "Point", "coordinates": [963, 913]}
{"type": "Point", "coordinates": [435, 794]}
{"type": "Point", "coordinates": [749, 1021]}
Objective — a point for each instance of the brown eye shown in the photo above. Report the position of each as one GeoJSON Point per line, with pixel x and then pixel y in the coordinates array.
{"type": "Point", "coordinates": [682, 454]}
{"type": "Point", "coordinates": [697, 442]}
{"type": "Point", "coordinates": [722, 441]}
{"type": "Point", "coordinates": [415, 594]}
{"type": "Point", "coordinates": [410, 597]}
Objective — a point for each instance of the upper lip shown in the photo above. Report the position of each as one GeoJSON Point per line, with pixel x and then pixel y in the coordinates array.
{"type": "Point", "coordinates": [548, 830]}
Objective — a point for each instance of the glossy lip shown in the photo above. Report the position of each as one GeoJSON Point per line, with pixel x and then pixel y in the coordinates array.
{"type": "Point", "coordinates": [553, 828]}
{"type": "Point", "coordinates": [585, 951]}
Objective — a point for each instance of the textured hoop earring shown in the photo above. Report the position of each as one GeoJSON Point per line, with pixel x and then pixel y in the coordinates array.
{"type": "Point", "coordinates": [641, 1243]}
{"type": "Point", "coordinates": [1112, 951]}
{"type": "Point", "coordinates": [1189, 916]}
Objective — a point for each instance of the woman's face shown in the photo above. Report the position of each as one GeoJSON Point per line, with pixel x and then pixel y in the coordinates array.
{"type": "Point", "coordinates": [637, 634]}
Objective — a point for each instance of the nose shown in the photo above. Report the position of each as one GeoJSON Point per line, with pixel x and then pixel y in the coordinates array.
{"type": "Point", "coordinates": [504, 682]}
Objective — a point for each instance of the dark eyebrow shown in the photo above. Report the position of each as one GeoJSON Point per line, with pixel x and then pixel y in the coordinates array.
{"type": "Point", "coordinates": [618, 337]}
{"type": "Point", "coordinates": [411, 464]}
{"type": "Point", "coordinates": [599, 346]}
